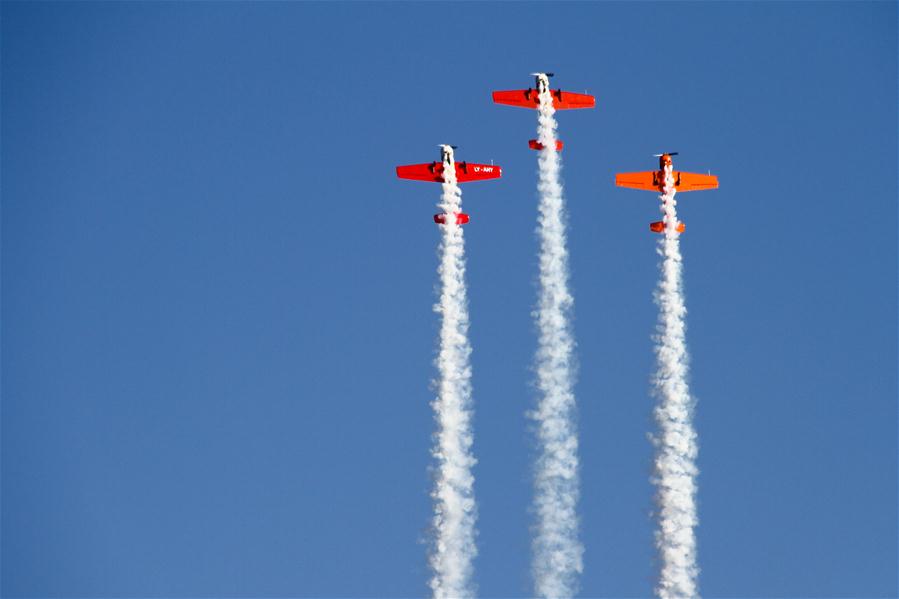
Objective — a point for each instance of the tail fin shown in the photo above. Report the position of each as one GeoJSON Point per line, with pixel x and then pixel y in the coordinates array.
{"type": "Point", "coordinates": [536, 145]}
{"type": "Point", "coordinates": [659, 227]}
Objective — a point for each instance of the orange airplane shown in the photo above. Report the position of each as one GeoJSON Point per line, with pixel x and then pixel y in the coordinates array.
{"type": "Point", "coordinates": [655, 181]}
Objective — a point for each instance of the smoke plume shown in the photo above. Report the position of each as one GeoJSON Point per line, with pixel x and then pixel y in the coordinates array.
{"type": "Point", "coordinates": [557, 552]}
{"type": "Point", "coordinates": [455, 511]}
{"type": "Point", "coordinates": [676, 447]}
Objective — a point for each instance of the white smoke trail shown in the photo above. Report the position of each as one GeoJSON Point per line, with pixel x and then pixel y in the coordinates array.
{"type": "Point", "coordinates": [676, 448]}
{"type": "Point", "coordinates": [455, 511]}
{"type": "Point", "coordinates": [557, 558]}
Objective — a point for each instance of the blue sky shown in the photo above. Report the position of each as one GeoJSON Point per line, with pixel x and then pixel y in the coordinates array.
{"type": "Point", "coordinates": [217, 325]}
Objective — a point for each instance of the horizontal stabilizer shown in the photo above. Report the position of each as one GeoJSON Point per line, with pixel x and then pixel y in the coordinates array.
{"type": "Point", "coordinates": [659, 227]}
{"type": "Point", "coordinates": [461, 218]}
{"type": "Point", "coordinates": [536, 145]}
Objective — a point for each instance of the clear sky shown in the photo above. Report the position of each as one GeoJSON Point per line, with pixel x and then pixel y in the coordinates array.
{"type": "Point", "coordinates": [217, 325]}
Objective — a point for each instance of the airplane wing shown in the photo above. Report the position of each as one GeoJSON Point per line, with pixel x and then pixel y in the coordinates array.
{"type": "Point", "coordinates": [529, 98]}
{"type": "Point", "coordinates": [468, 171]}
{"type": "Point", "coordinates": [525, 98]}
{"type": "Point", "coordinates": [430, 171]}
{"type": "Point", "coordinates": [694, 182]}
{"type": "Point", "coordinates": [645, 180]}
{"type": "Point", "coordinates": [568, 100]}
{"type": "Point", "coordinates": [465, 171]}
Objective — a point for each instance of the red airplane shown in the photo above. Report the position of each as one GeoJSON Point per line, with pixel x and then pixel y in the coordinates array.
{"type": "Point", "coordinates": [530, 98]}
{"type": "Point", "coordinates": [655, 181]}
{"type": "Point", "coordinates": [465, 172]}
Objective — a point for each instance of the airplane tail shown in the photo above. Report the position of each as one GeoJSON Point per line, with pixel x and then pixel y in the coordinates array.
{"type": "Point", "coordinates": [659, 227]}
{"type": "Point", "coordinates": [461, 218]}
{"type": "Point", "coordinates": [536, 145]}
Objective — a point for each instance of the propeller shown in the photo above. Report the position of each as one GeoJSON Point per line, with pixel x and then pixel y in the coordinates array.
{"type": "Point", "coordinates": [669, 153]}
{"type": "Point", "coordinates": [547, 74]}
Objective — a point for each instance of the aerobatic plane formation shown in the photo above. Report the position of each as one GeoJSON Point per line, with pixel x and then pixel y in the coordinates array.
{"type": "Point", "coordinates": [562, 100]}
{"type": "Point", "coordinates": [557, 546]}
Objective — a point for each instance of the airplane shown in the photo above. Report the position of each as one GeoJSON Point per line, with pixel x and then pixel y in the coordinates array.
{"type": "Point", "coordinates": [530, 98]}
{"type": "Point", "coordinates": [465, 172]}
{"type": "Point", "coordinates": [655, 181]}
